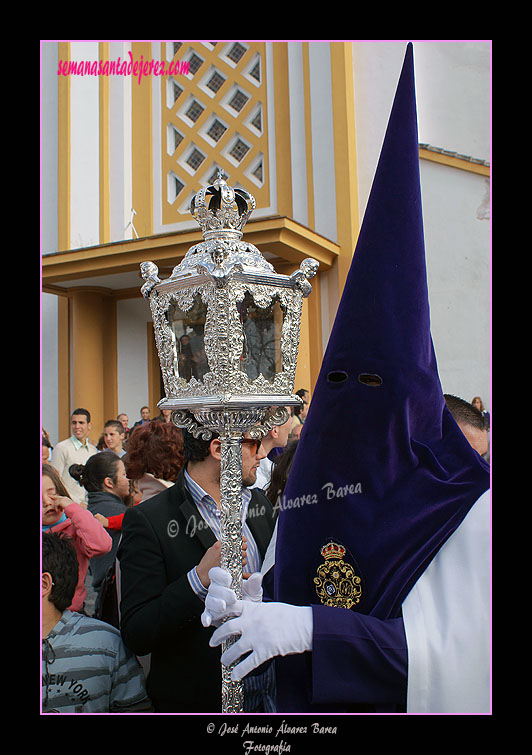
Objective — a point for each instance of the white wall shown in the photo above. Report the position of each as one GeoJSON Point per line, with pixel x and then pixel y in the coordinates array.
{"type": "Point", "coordinates": [84, 151]}
{"type": "Point", "coordinates": [297, 133]}
{"type": "Point", "coordinates": [132, 334]}
{"type": "Point", "coordinates": [322, 140]}
{"type": "Point", "coordinates": [120, 147]}
{"type": "Point", "coordinates": [453, 95]}
{"type": "Point", "coordinates": [457, 246]}
{"type": "Point", "coordinates": [453, 99]}
{"type": "Point", "coordinates": [49, 372]}
{"type": "Point", "coordinates": [49, 151]}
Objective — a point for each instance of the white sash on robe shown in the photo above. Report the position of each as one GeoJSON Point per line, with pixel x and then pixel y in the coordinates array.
{"type": "Point", "coordinates": [447, 622]}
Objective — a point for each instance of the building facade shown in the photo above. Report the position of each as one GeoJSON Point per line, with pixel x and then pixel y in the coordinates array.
{"type": "Point", "coordinates": [132, 130]}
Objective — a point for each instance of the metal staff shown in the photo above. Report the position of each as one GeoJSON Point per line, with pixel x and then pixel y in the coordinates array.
{"type": "Point", "coordinates": [231, 552]}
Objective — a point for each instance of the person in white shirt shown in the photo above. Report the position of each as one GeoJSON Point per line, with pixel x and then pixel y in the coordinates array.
{"type": "Point", "coordinates": [74, 450]}
{"type": "Point", "coordinates": [276, 438]}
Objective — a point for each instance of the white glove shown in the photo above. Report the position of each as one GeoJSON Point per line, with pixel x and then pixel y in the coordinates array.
{"type": "Point", "coordinates": [221, 602]}
{"type": "Point", "coordinates": [267, 629]}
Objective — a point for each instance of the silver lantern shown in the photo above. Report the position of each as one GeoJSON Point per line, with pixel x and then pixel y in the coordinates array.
{"type": "Point", "coordinates": [227, 332]}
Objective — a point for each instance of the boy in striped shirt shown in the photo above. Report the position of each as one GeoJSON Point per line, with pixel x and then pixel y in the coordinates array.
{"type": "Point", "coordinates": [86, 668]}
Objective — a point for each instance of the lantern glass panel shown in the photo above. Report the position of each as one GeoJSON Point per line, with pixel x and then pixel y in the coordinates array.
{"type": "Point", "coordinates": [262, 327]}
{"type": "Point", "coordinates": [188, 328]}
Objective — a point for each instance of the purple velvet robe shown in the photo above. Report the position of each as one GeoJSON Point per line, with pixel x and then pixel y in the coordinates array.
{"type": "Point", "coordinates": [382, 469]}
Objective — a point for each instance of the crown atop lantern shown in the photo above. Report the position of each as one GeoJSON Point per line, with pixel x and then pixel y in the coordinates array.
{"type": "Point", "coordinates": [222, 211]}
{"type": "Point", "coordinates": [227, 212]}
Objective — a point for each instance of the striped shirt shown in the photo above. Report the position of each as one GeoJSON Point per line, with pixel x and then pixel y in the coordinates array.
{"type": "Point", "coordinates": [210, 513]}
{"type": "Point", "coordinates": [86, 668]}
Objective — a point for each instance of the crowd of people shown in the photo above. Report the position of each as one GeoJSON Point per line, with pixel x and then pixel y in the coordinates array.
{"type": "Point", "coordinates": [138, 645]}
{"type": "Point", "coordinates": [86, 491]}
{"type": "Point", "coordinates": [136, 648]}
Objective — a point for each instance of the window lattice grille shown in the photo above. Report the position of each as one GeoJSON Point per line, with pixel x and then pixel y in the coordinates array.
{"type": "Point", "coordinates": [178, 138]}
{"type": "Point", "coordinates": [217, 130]}
{"type": "Point", "coordinates": [257, 120]}
{"type": "Point", "coordinates": [194, 111]}
{"type": "Point", "coordinates": [239, 150]}
{"type": "Point", "coordinates": [255, 71]}
{"type": "Point", "coordinates": [195, 63]}
{"type": "Point", "coordinates": [233, 144]}
{"type": "Point", "coordinates": [236, 52]}
{"type": "Point", "coordinates": [238, 100]}
{"type": "Point", "coordinates": [258, 172]}
{"type": "Point", "coordinates": [195, 159]}
{"type": "Point", "coordinates": [215, 82]}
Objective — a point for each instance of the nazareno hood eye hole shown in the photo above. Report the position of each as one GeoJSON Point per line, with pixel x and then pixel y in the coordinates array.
{"type": "Point", "coordinates": [337, 376]}
{"type": "Point", "coordinates": [370, 379]}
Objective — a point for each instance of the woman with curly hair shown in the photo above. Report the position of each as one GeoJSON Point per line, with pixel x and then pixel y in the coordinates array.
{"type": "Point", "coordinates": [154, 457]}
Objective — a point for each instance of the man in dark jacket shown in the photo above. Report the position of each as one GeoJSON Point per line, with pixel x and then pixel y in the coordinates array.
{"type": "Point", "coordinates": [168, 545]}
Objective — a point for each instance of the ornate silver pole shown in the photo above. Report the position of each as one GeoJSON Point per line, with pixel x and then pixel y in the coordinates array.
{"type": "Point", "coordinates": [231, 538]}
{"type": "Point", "coordinates": [230, 426]}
